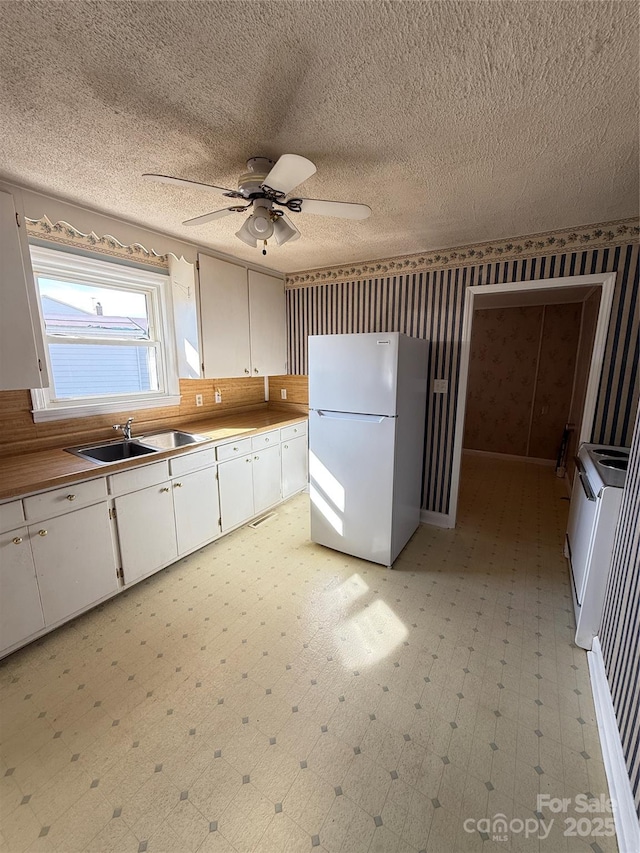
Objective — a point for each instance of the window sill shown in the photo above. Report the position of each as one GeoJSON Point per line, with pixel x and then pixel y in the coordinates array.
{"type": "Point", "coordinates": [85, 410]}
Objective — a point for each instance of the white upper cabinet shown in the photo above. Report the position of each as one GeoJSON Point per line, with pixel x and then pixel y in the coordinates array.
{"type": "Point", "coordinates": [267, 325]}
{"type": "Point", "coordinates": [22, 360]}
{"type": "Point", "coordinates": [242, 320]}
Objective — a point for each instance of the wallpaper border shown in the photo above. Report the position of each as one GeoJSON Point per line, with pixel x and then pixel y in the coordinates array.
{"type": "Point", "coordinates": [63, 232]}
{"type": "Point", "coordinates": [607, 234]}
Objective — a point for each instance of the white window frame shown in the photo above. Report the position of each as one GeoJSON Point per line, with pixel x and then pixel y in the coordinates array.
{"type": "Point", "coordinates": [91, 271]}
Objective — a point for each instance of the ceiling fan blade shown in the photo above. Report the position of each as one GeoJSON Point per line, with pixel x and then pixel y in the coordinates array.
{"type": "Point", "coordinates": [183, 182]}
{"type": "Point", "coordinates": [289, 171]}
{"type": "Point", "coordinates": [208, 217]}
{"type": "Point", "coordinates": [341, 209]}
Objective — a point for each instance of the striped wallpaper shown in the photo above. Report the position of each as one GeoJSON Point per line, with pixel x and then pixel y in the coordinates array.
{"type": "Point", "coordinates": [429, 304]}
{"type": "Point", "coordinates": [620, 633]}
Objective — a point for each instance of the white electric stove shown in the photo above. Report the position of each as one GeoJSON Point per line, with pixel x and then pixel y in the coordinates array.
{"type": "Point", "coordinates": [595, 504]}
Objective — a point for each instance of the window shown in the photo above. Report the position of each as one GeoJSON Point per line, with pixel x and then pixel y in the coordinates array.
{"type": "Point", "coordinates": [106, 328]}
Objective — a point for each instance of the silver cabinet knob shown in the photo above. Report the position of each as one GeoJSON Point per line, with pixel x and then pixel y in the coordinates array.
{"type": "Point", "coordinates": [286, 446]}
{"type": "Point", "coordinates": [246, 370]}
{"type": "Point", "coordinates": [42, 532]}
{"type": "Point", "coordinates": [256, 458]}
{"type": "Point", "coordinates": [71, 497]}
{"type": "Point", "coordinates": [235, 448]}
{"type": "Point", "coordinates": [177, 485]}
{"type": "Point", "coordinates": [295, 430]}
{"type": "Point", "coordinates": [255, 370]}
{"type": "Point", "coordinates": [267, 440]}
{"type": "Point", "coordinates": [164, 489]}
{"type": "Point", "coordinates": [248, 459]}
{"type": "Point", "coordinates": [17, 540]}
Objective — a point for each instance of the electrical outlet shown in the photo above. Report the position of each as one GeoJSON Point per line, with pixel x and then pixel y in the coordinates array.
{"type": "Point", "coordinates": [218, 395]}
{"type": "Point", "coordinates": [440, 386]}
{"type": "Point", "coordinates": [283, 393]}
{"type": "Point", "coordinates": [198, 399]}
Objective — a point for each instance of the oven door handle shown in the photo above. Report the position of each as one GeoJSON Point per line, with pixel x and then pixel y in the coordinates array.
{"type": "Point", "coordinates": [584, 479]}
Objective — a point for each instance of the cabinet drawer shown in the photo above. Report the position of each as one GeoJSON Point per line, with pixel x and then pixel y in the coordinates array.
{"type": "Point", "coordinates": [234, 448]}
{"type": "Point", "coordinates": [59, 501]}
{"type": "Point", "coordinates": [192, 462]}
{"type": "Point", "coordinates": [265, 439]}
{"type": "Point", "coordinates": [138, 478]}
{"type": "Point", "coordinates": [11, 515]}
{"type": "Point", "coordinates": [294, 431]}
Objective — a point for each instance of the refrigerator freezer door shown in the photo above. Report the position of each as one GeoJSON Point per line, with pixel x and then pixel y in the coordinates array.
{"type": "Point", "coordinates": [354, 373]}
{"type": "Point", "coordinates": [351, 483]}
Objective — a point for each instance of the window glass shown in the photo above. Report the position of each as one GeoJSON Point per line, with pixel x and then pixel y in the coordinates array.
{"type": "Point", "coordinates": [106, 333]}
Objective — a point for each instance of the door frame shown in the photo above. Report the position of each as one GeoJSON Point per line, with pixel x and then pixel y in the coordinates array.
{"type": "Point", "coordinates": [606, 282]}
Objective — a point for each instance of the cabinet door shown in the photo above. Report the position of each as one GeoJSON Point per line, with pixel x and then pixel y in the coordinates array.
{"type": "Point", "coordinates": [146, 530]}
{"type": "Point", "coordinates": [22, 361]}
{"type": "Point", "coordinates": [266, 478]}
{"type": "Point", "coordinates": [267, 325]}
{"type": "Point", "coordinates": [20, 607]}
{"type": "Point", "coordinates": [195, 500]}
{"type": "Point", "coordinates": [235, 482]}
{"type": "Point", "coordinates": [295, 465]}
{"type": "Point", "coordinates": [224, 311]}
{"type": "Point", "coordinates": [75, 562]}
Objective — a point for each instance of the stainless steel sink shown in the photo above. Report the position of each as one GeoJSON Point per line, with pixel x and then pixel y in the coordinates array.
{"type": "Point", "coordinates": [171, 439]}
{"type": "Point", "coordinates": [111, 451]}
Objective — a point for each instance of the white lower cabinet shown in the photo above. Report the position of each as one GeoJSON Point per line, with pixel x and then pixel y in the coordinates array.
{"type": "Point", "coordinates": [295, 465]}
{"type": "Point", "coordinates": [235, 481]}
{"type": "Point", "coordinates": [266, 478]}
{"type": "Point", "coordinates": [75, 561]}
{"type": "Point", "coordinates": [20, 607]}
{"type": "Point", "coordinates": [197, 510]}
{"type": "Point", "coordinates": [248, 486]}
{"type": "Point", "coordinates": [146, 530]}
{"type": "Point", "coordinates": [51, 570]}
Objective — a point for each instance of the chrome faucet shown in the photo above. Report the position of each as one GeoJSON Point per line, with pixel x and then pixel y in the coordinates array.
{"type": "Point", "coordinates": [126, 429]}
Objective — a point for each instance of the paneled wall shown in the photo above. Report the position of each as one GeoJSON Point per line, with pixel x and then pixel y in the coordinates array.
{"type": "Point", "coordinates": [620, 633]}
{"type": "Point", "coordinates": [521, 369]}
{"type": "Point", "coordinates": [429, 304]}
{"type": "Point", "coordinates": [297, 393]}
{"type": "Point", "coordinates": [19, 434]}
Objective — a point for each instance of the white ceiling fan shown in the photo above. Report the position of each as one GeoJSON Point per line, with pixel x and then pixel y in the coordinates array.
{"type": "Point", "coordinates": [265, 187]}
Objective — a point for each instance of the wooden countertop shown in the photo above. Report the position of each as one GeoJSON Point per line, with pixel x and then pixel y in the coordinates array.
{"type": "Point", "coordinates": [47, 469]}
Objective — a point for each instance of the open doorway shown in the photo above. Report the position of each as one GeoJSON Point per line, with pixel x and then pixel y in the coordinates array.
{"type": "Point", "coordinates": [595, 294]}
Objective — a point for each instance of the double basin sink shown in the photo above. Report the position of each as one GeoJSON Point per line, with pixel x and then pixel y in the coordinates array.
{"type": "Point", "coordinates": [122, 449]}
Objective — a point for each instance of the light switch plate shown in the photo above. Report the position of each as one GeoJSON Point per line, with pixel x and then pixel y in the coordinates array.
{"type": "Point", "coordinates": [440, 386]}
{"type": "Point", "coordinates": [283, 393]}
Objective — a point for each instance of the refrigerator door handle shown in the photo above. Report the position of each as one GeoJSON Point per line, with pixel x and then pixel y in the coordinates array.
{"type": "Point", "coordinates": [352, 416]}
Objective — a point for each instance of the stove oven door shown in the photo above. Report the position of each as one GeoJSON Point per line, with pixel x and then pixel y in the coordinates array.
{"type": "Point", "coordinates": [583, 515]}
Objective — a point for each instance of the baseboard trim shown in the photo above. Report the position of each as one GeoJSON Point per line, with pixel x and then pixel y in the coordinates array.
{"type": "Point", "coordinates": [437, 519]}
{"type": "Point", "coordinates": [624, 812]}
{"type": "Point", "coordinates": [513, 458]}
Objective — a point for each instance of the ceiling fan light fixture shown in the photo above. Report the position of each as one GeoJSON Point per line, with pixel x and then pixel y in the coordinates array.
{"type": "Point", "coordinates": [245, 234]}
{"type": "Point", "coordinates": [283, 231]}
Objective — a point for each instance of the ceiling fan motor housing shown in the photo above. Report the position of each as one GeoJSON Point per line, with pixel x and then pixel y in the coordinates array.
{"type": "Point", "coordinates": [250, 182]}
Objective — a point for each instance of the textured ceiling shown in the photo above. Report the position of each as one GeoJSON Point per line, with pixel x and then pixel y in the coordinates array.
{"type": "Point", "coordinates": [457, 122]}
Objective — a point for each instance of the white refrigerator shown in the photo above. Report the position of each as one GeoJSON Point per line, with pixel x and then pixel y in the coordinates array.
{"type": "Point", "coordinates": [367, 398]}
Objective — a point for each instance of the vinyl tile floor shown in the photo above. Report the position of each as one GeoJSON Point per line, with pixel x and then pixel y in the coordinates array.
{"type": "Point", "coordinates": [266, 694]}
